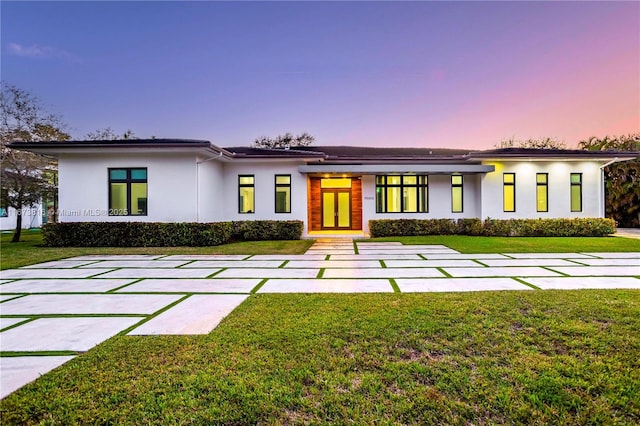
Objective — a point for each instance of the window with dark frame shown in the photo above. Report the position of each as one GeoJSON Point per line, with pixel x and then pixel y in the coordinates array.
{"type": "Point", "coordinates": [509, 192]}
{"type": "Point", "coordinates": [402, 194]}
{"type": "Point", "coordinates": [246, 194]}
{"type": "Point", "coordinates": [576, 192]}
{"type": "Point", "coordinates": [127, 191]}
{"type": "Point", "coordinates": [542, 192]}
{"type": "Point", "coordinates": [283, 193]}
{"type": "Point", "coordinates": [456, 193]}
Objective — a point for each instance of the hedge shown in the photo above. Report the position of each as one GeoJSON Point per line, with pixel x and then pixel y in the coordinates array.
{"type": "Point", "coordinates": [578, 227]}
{"type": "Point", "coordinates": [155, 234]}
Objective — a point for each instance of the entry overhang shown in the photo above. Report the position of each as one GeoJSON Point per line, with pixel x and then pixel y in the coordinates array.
{"type": "Point", "coordinates": [377, 169]}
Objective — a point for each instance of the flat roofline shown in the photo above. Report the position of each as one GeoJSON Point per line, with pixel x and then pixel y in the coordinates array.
{"type": "Point", "coordinates": [372, 169]}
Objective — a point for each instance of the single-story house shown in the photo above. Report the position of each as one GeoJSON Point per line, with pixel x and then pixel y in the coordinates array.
{"type": "Point", "coordinates": [332, 189]}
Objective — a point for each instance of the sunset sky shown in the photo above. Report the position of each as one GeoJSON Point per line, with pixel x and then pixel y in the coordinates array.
{"type": "Point", "coordinates": [431, 74]}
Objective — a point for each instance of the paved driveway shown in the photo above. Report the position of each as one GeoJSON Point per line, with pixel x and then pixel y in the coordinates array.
{"type": "Point", "coordinates": [66, 307]}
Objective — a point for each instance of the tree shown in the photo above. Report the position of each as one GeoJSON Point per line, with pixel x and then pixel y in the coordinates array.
{"type": "Point", "coordinates": [284, 141]}
{"type": "Point", "coordinates": [27, 178]}
{"type": "Point", "coordinates": [543, 143]}
{"type": "Point", "coordinates": [107, 134]}
{"type": "Point", "coordinates": [622, 180]}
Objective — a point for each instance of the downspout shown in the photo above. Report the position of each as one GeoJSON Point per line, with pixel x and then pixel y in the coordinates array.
{"type": "Point", "coordinates": [602, 188]}
{"type": "Point", "coordinates": [198, 183]}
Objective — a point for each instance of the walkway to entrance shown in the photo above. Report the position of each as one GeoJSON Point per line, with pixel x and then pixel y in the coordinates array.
{"type": "Point", "coordinates": [52, 311]}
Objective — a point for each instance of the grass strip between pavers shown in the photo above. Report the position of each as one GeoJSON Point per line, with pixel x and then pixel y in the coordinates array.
{"type": "Point", "coordinates": [259, 286]}
{"type": "Point", "coordinates": [153, 315]}
{"type": "Point", "coordinates": [522, 281]}
{"type": "Point", "coordinates": [394, 285]}
{"type": "Point", "coordinates": [10, 354]}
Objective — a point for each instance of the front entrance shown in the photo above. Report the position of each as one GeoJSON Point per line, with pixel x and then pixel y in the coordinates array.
{"type": "Point", "coordinates": [336, 209]}
{"type": "Point", "coordinates": [335, 203]}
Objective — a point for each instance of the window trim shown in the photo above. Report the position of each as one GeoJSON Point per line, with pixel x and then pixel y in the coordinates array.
{"type": "Point", "coordinates": [128, 181]}
{"type": "Point", "coordinates": [247, 185]}
{"type": "Point", "coordinates": [422, 193]}
{"type": "Point", "coordinates": [545, 185]}
{"type": "Point", "coordinates": [275, 192]}
{"type": "Point", "coordinates": [579, 185]}
{"type": "Point", "coordinates": [504, 187]}
{"type": "Point", "coordinates": [461, 186]}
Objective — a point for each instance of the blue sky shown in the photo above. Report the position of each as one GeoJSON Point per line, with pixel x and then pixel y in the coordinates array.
{"type": "Point", "coordinates": [454, 74]}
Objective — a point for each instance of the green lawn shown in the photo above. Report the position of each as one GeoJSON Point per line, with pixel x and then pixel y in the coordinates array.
{"type": "Point", "coordinates": [538, 357]}
{"type": "Point", "coordinates": [28, 250]}
{"type": "Point", "coordinates": [468, 244]}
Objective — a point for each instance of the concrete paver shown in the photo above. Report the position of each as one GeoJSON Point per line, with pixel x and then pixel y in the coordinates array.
{"type": "Point", "coordinates": [574, 283]}
{"type": "Point", "coordinates": [51, 304]}
{"type": "Point", "coordinates": [197, 315]}
{"type": "Point", "coordinates": [431, 263]}
{"type": "Point", "coordinates": [284, 257]}
{"type": "Point", "coordinates": [63, 285]}
{"type": "Point", "coordinates": [459, 284]}
{"type": "Point", "coordinates": [610, 262]}
{"type": "Point", "coordinates": [117, 257]}
{"type": "Point", "coordinates": [268, 273]}
{"type": "Point", "coordinates": [326, 286]}
{"type": "Point", "coordinates": [529, 262]}
{"type": "Point", "coordinates": [383, 273]}
{"type": "Point", "coordinates": [235, 264]}
{"type": "Point", "coordinates": [548, 255]}
{"type": "Point", "coordinates": [617, 255]}
{"type": "Point", "coordinates": [112, 264]}
{"type": "Point", "coordinates": [60, 264]}
{"type": "Point", "coordinates": [63, 334]}
{"type": "Point", "coordinates": [207, 285]}
{"type": "Point", "coordinates": [206, 257]}
{"type": "Point", "coordinates": [385, 257]}
{"type": "Point", "coordinates": [18, 371]}
{"type": "Point", "coordinates": [610, 271]}
{"type": "Point", "coordinates": [50, 273]}
{"type": "Point", "coordinates": [333, 264]}
{"type": "Point", "coordinates": [160, 273]}
{"type": "Point", "coordinates": [506, 271]}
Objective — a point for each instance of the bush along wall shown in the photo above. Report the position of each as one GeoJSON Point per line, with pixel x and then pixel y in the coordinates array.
{"type": "Point", "coordinates": [578, 227]}
{"type": "Point", "coordinates": [155, 234]}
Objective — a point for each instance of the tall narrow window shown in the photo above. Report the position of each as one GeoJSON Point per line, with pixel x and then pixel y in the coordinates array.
{"type": "Point", "coordinates": [509, 192]}
{"type": "Point", "coordinates": [283, 193]}
{"type": "Point", "coordinates": [128, 192]}
{"type": "Point", "coordinates": [456, 193]}
{"type": "Point", "coordinates": [576, 192]}
{"type": "Point", "coordinates": [246, 194]}
{"type": "Point", "coordinates": [542, 192]}
{"type": "Point", "coordinates": [402, 194]}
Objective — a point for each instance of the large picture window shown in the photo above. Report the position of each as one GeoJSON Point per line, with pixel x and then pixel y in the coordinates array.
{"type": "Point", "coordinates": [128, 192]}
{"type": "Point", "coordinates": [509, 192]}
{"type": "Point", "coordinates": [576, 192]}
{"type": "Point", "coordinates": [456, 193]}
{"type": "Point", "coordinates": [283, 193]}
{"type": "Point", "coordinates": [542, 192]}
{"type": "Point", "coordinates": [402, 194]}
{"type": "Point", "coordinates": [246, 194]}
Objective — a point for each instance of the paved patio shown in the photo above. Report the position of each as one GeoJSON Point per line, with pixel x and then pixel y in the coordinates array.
{"type": "Point", "coordinates": [56, 310]}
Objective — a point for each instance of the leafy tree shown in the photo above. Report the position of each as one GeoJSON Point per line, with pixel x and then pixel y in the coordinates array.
{"type": "Point", "coordinates": [27, 178]}
{"type": "Point", "coordinates": [543, 143]}
{"type": "Point", "coordinates": [107, 134]}
{"type": "Point", "coordinates": [622, 180]}
{"type": "Point", "coordinates": [284, 141]}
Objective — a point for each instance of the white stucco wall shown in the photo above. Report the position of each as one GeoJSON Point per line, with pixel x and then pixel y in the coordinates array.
{"type": "Point", "coordinates": [558, 186]}
{"type": "Point", "coordinates": [264, 172]}
{"type": "Point", "coordinates": [84, 186]}
{"type": "Point", "coordinates": [211, 182]}
{"type": "Point", "coordinates": [439, 194]}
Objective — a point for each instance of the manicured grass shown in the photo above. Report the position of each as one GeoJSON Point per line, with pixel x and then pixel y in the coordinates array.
{"type": "Point", "coordinates": [469, 244]}
{"type": "Point", "coordinates": [552, 357]}
{"type": "Point", "coordinates": [28, 250]}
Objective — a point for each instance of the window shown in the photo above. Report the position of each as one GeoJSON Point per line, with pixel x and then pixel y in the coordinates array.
{"type": "Point", "coordinates": [509, 192]}
{"type": "Point", "coordinates": [456, 193]}
{"type": "Point", "coordinates": [576, 192]}
{"type": "Point", "coordinates": [128, 192]}
{"type": "Point", "coordinates": [3, 212]}
{"type": "Point", "coordinates": [283, 193]}
{"type": "Point", "coordinates": [246, 194]}
{"type": "Point", "coordinates": [402, 194]}
{"type": "Point", "coordinates": [542, 192]}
